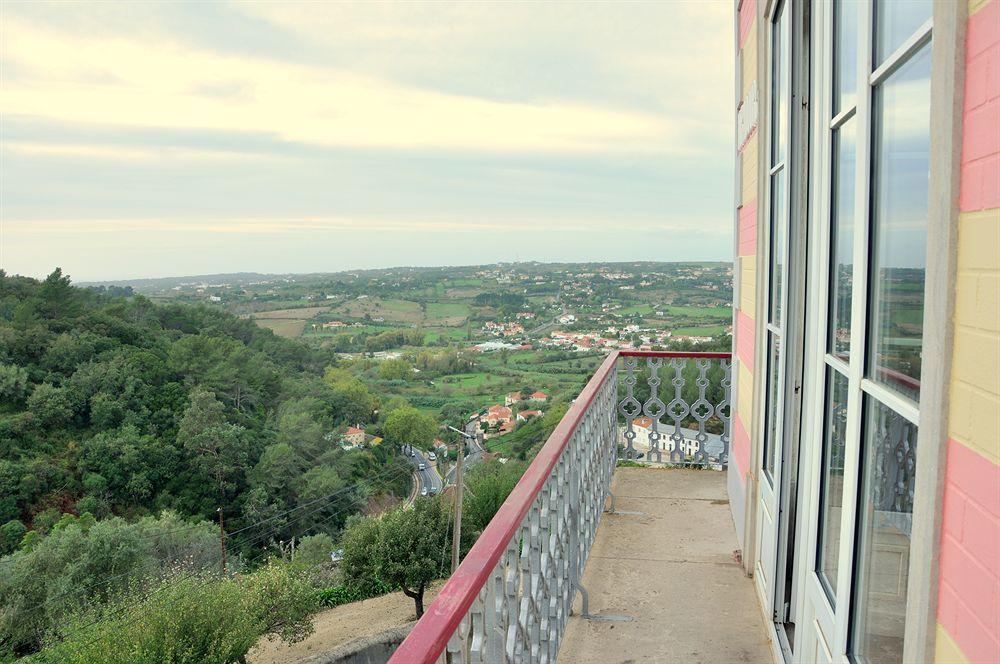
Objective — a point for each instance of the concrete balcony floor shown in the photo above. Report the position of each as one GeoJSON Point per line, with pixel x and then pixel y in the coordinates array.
{"type": "Point", "coordinates": [671, 569]}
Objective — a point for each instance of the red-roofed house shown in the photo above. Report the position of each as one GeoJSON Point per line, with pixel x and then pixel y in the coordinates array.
{"type": "Point", "coordinates": [354, 436]}
{"type": "Point", "coordinates": [539, 396]}
{"type": "Point", "coordinates": [526, 415]}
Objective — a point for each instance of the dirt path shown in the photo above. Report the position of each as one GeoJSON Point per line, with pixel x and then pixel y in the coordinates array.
{"type": "Point", "coordinates": [335, 627]}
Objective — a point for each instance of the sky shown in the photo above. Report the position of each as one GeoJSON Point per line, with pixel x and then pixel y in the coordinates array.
{"type": "Point", "coordinates": [166, 139]}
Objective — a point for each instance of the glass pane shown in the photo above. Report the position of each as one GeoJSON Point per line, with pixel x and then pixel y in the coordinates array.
{"type": "Point", "coordinates": [842, 239]}
{"type": "Point", "coordinates": [831, 497]}
{"type": "Point", "coordinates": [778, 217]}
{"type": "Point", "coordinates": [845, 59]}
{"type": "Point", "coordinates": [883, 555]}
{"type": "Point", "coordinates": [899, 226]}
{"type": "Point", "coordinates": [895, 22]}
{"type": "Point", "coordinates": [773, 417]}
{"type": "Point", "coordinates": [779, 86]}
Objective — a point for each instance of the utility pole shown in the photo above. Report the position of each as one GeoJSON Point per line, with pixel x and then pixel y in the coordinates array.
{"type": "Point", "coordinates": [464, 436]}
{"type": "Point", "coordinates": [456, 531]}
{"type": "Point", "coordinates": [222, 539]}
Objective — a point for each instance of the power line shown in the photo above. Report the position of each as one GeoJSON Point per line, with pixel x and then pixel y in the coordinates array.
{"type": "Point", "coordinates": [190, 574]}
{"type": "Point", "coordinates": [230, 535]}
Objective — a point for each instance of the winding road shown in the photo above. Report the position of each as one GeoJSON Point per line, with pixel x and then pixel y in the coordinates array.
{"type": "Point", "coordinates": [429, 477]}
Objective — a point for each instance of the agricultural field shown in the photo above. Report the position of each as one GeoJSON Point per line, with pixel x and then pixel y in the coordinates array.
{"type": "Point", "coordinates": [395, 310]}
{"type": "Point", "coordinates": [288, 323]}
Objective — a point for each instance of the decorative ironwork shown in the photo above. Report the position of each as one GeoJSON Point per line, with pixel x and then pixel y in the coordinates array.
{"type": "Point", "coordinates": [694, 427]}
{"type": "Point", "coordinates": [630, 406]}
{"type": "Point", "coordinates": [511, 598]}
{"type": "Point", "coordinates": [520, 613]}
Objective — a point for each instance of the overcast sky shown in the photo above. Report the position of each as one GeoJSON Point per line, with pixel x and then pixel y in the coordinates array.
{"type": "Point", "coordinates": [157, 139]}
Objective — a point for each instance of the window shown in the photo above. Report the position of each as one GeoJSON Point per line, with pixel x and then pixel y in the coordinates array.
{"type": "Point", "coordinates": [778, 232]}
{"type": "Point", "coordinates": [876, 150]}
{"type": "Point", "coordinates": [898, 168]}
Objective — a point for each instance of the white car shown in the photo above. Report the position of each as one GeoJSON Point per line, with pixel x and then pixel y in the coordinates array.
{"type": "Point", "coordinates": [422, 466]}
{"type": "Point", "coordinates": [432, 456]}
{"type": "Point", "coordinates": [423, 491]}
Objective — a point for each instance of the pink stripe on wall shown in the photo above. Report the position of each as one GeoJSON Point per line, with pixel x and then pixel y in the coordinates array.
{"type": "Point", "coordinates": [969, 593]}
{"type": "Point", "coordinates": [741, 447]}
{"type": "Point", "coordinates": [747, 230]}
{"type": "Point", "coordinates": [748, 10]}
{"type": "Point", "coordinates": [745, 339]}
{"type": "Point", "coordinates": [980, 188]}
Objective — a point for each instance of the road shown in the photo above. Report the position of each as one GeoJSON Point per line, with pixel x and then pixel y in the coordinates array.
{"type": "Point", "coordinates": [474, 452]}
{"type": "Point", "coordinates": [429, 477]}
{"type": "Point", "coordinates": [547, 325]}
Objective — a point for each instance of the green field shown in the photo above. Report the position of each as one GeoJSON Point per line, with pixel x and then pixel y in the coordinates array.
{"type": "Point", "coordinates": [437, 310]}
{"type": "Point", "coordinates": [636, 310]}
{"type": "Point", "coordinates": [699, 312]}
{"type": "Point", "coordinates": [712, 331]}
{"type": "Point", "coordinates": [450, 333]}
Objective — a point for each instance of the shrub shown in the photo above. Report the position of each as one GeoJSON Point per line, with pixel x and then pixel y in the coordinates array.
{"type": "Point", "coordinates": [191, 619]}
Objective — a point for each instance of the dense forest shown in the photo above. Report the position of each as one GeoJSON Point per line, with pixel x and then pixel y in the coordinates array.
{"type": "Point", "coordinates": [115, 406]}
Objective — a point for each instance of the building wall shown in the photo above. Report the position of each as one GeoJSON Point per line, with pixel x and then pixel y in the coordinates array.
{"type": "Point", "coordinates": [969, 587]}
{"type": "Point", "coordinates": [745, 273]}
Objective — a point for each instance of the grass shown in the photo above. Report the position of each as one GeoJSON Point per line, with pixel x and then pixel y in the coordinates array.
{"type": "Point", "coordinates": [712, 331]}
{"type": "Point", "coordinates": [699, 312]}
{"type": "Point", "coordinates": [348, 331]}
{"type": "Point", "coordinates": [636, 310]}
{"type": "Point", "coordinates": [283, 327]}
{"type": "Point", "coordinates": [451, 333]}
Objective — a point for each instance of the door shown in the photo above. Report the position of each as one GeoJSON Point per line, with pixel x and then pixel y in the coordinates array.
{"type": "Point", "coordinates": [784, 330]}
{"type": "Point", "coordinates": [866, 299]}
{"type": "Point", "coordinates": [772, 510]}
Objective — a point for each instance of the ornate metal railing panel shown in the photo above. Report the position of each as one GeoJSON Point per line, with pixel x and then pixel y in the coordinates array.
{"type": "Point", "coordinates": [675, 407]}
{"type": "Point", "coordinates": [510, 598]}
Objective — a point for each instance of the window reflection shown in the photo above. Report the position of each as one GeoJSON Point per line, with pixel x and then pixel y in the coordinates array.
{"type": "Point", "coordinates": [842, 239]}
{"type": "Point", "coordinates": [895, 22]}
{"type": "Point", "coordinates": [779, 83]}
{"type": "Point", "coordinates": [772, 429]}
{"type": "Point", "coordinates": [845, 61]}
{"type": "Point", "coordinates": [832, 480]}
{"type": "Point", "coordinates": [778, 216]}
{"type": "Point", "coordinates": [899, 225]}
{"type": "Point", "coordinates": [885, 519]}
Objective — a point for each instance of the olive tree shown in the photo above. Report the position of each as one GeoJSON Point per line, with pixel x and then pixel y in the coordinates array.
{"type": "Point", "coordinates": [407, 548]}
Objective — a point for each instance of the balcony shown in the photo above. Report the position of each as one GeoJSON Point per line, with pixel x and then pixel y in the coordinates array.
{"type": "Point", "coordinates": [587, 561]}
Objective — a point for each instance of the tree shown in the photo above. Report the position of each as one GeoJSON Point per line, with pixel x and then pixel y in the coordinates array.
{"type": "Point", "coordinates": [50, 405]}
{"type": "Point", "coordinates": [408, 427]}
{"type": "Point", "coordinates": [489, 485]}
{"type": "Point", "coordinates": [351, 400]}
{"type": "Point", "coordinates": [217, 445]}
{"type": "Point", "coordinates": [395, 369]}
{"type": "Point", "coordinates": [406, 548]}
{"type": "Point", "coordinates": [13, 383]}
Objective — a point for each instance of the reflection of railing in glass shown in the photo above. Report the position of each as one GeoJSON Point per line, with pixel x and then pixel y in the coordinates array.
{"type": "Point", "coordinates": [894, 460]}
{"type": "Point", "coordinates": [696, 405]}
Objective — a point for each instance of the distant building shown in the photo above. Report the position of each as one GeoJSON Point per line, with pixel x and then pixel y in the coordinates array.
{"type": "Point", "coordinates": [355, 435]}
{"type": "Point", "coordinates": [512, 398]}
{"type": "Point", "coordinates": [539, 396]}
{"type": "Point", "coordinates": [526, 415]}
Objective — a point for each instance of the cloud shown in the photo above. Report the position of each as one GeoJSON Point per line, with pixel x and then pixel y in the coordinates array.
{"type": "Point", "coordinates": [148, 153]}
{"type": "Point", "coordinates": [122, 81]}
{"type": "Point", "coordinates": [183, 137]}
{"type": "Point", "coordinates": [23, 228]}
